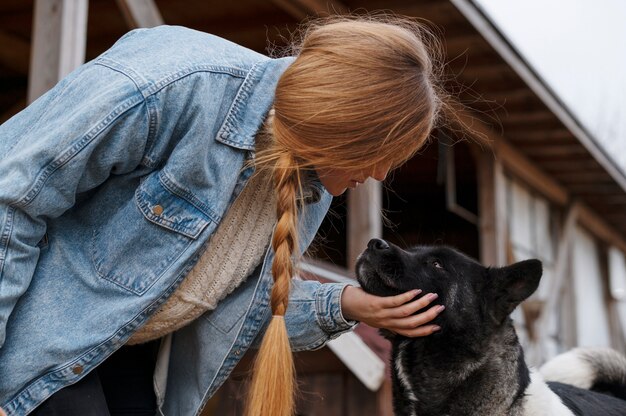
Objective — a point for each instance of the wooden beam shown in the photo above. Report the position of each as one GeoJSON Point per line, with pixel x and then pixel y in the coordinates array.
{"type": "Point", "coordinates": [59, 38]}
{"type": "Point", "coordinates": [599, 190]}
{"type": "Point", "coordinates": [526, 117]}
{"type": "Point", "coordinates": [599, 228]}
{"type": "Point", "coordinates": [545, 135]}
{"type": "Point", "coordinates": [567, 165]}
{"type": "Point", "coordinates": [528, 172]}
{"type": "Point", "coordinates": [538, 152]}
{"type": "Point", "coordinates": [15, 53]}
{"type": "Point", "coordinates": [140, 13]}
{"type": "Point", "coordinates": [499, 71]}
{"type": "Point", "coordinates": [364, 218]}
{"type": "Point", "coordinates": [597, 177]}
{"type": "Point", "coordinates": [471, 45]}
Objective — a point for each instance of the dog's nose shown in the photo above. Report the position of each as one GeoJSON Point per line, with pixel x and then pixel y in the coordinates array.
{"type": "Point", "coordinates": [377, 244]}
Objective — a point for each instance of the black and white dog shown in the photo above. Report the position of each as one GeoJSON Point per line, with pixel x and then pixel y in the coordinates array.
{"type": "Point", "coordinates": [475, 364]}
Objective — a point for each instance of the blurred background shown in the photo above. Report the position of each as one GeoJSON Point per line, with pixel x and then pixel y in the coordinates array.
{"type": "Point", "coordinates": [543, 81]}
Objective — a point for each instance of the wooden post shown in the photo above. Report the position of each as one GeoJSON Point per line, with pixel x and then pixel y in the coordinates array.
{"type": "Point", "coordinates": [487, 208]}
{"type": "Point", "coordinates": [551, 305]}
{"type": "Point", "coordinates": [364, 218]}
{"type": "Point", "coordinates": [501, 225]}
{"type": "Point", "coordinates": [140, 13]}
{"type": "Point", "coordinates": [59, 39]}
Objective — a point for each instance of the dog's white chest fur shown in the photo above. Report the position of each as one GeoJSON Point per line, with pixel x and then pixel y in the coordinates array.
{"type": "Point", "coordinates": [541, 401]}
{"type": "Point", "coordinates": [402, 373]}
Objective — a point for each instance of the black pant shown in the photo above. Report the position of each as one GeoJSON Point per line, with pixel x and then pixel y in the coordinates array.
{"type": "Point", "coordinates": [120, 386]}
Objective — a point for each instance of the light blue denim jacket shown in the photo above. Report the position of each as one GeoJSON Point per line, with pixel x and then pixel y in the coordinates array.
{"type": "Point", "coordinates": [166, 117]}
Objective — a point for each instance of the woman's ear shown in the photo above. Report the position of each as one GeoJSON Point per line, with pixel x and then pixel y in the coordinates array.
{"type": "Point", "coordinates": [513, 284]}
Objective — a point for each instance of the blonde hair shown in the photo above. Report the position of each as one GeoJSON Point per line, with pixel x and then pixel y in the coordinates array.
{"type": "Point", "coordinates": [362, 91]}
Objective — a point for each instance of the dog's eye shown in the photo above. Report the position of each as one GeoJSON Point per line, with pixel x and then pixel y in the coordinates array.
{"type": "Point", "coordinates": [437, 265]}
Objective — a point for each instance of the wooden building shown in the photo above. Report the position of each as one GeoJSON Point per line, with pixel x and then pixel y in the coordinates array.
{"type": "Point", "coordinates": [543, 189]}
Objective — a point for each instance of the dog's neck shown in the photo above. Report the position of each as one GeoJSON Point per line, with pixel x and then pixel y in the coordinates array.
{"type": "Point", "coordinates": [436, 378]}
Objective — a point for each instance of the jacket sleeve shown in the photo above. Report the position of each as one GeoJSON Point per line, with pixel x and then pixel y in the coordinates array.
{"type": "Point", "coordinates": [91, 125]}
{"type": "Point", "coordinates": [314, 314]}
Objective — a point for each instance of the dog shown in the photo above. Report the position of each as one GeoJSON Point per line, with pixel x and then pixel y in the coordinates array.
{"type": "Point", "coordinates": [475, 364]}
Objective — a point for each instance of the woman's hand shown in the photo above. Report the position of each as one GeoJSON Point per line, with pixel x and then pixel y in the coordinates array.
{"type": "Point", "coordinates": [394, 313]}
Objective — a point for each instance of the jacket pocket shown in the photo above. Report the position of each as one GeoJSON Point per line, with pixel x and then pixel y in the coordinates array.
{"type": "Point", "coordinates": [140, 241]}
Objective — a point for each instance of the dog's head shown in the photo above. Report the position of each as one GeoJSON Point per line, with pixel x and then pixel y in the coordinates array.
{"type": "Point", "coordinates": [474, 295]}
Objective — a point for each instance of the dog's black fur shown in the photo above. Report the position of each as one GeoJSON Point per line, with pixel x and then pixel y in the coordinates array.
{"type": "Point", "coordinates": [475, 364]}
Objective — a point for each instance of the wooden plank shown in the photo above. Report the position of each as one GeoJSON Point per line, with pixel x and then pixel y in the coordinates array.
{"type": "Point", "coordinates": [487, 73]}
{"type": "Point", "coordinates": [364, 218]}
{"type": "Point", "coordinates": [599, 190]}
{"type": "Point", "coordinates": [562, 165]}
{"type": "Point", "coordinates": [59, 38]}
{"type": "Point", "coordinates": [550, 150]}
{"type": "Point", "coordinates": [140, 13]}
{"type": "Point", "coordinates": [469, 46]}
{"type": "Point", "coordinates": [527, 117]}
{"type": "Point", "coordinates": [300, 9]}
{"type": "Point", "coordinates": [607, 200]}
{"type": "Point", "coordinates": [535, 146]}
{"type": "Point", "coordinates": [544, 135]}
{"type": "Point", "coordinates": [597, 177]}
{"type": "Point", "coordinates": [514, 95]}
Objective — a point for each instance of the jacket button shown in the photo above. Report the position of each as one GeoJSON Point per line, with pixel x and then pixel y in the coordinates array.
{"type": "Point", "coordinates": [77, 369]}
{"type": "Point", "coordinates": [157, 210]}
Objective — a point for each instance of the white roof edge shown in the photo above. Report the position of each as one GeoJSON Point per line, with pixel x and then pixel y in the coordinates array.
{"type": "Point", "coordinates": [477, 17]}
{"type": "Point", "coordinates": [360, 359]}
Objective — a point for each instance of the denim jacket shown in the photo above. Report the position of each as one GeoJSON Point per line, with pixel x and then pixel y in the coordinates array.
{"type": "Point", "coordinates": [111, 185]}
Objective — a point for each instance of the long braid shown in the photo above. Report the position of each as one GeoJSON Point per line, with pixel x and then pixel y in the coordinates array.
{"type": "Point", "coordinates": [338, 108]}
{"type": "Point", "coordinates": [272, 388]}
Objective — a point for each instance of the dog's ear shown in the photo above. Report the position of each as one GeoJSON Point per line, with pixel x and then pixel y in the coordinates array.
{"type": "Point", "coordinates": [512, 284]}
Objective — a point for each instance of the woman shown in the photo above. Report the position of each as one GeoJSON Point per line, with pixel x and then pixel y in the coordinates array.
{"type": "Point", "coordinates": [139, 196]}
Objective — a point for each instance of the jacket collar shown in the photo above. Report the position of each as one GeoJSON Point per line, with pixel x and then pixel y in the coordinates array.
{"type": "Point", "coordinates": [252, 103]}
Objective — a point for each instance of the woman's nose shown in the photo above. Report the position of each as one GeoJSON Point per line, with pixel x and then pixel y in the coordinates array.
{"type": "Point", "coordinates": [380, 172]}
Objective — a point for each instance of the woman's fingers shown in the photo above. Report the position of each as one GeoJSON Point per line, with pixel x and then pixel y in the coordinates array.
{"type": "Point", "coordinates": [413, 321]}
{"type": "Point", "coordinates": [421, 331]}
{"type": "Point", "coordinates": [408, 309]}
{"type": "Point", "coordinates": [398, 300]}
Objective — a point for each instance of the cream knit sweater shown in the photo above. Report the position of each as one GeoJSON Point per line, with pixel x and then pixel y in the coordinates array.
{"type": "Point", "coordinates": [233, 252]}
